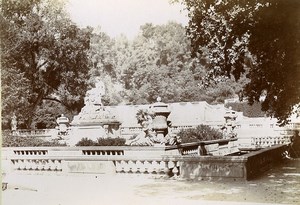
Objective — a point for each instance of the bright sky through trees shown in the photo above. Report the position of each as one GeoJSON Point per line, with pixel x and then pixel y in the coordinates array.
{"type": "Point", "coordinates": [124, 16]}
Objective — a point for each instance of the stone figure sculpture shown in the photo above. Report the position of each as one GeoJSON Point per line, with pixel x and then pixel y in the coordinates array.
{"type": "Point", "coordinates": [155, 127]}
{"type": "Point", "coordinates": [14, 123]}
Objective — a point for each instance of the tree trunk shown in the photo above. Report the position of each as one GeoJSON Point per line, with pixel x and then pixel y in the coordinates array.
{"type": "Point", "coordinates": [29, 121]}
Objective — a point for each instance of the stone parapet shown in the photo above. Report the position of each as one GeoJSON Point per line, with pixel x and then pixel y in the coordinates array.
{"type": "Point", "coordinates": [181, 162]}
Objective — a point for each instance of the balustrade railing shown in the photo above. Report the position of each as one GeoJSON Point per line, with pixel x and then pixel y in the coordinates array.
{"type": "Point", "coordinates": [270, 141]}
{"type": "Point", "coordinates": [126, 159]}
{"type": "Point", "coordinates": [35, 133]}
{"type": "Point", "coordinates": [122, 164]}
{"type": "Point", "coordinates": [148, 166]}
{"type": "Point", "coordinates": [37, 164]}
{"type": "Point", "coordinates": [63, 160]}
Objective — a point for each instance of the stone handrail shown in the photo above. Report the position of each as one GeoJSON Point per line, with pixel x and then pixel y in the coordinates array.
{"type": "Point", "coordinates": [121, 164]}
{"type": "Point", "coordinates": [68, 160]}
{"type": "Point", "coordinates": [264, 141]}
{"type": "Point", "coordinates": [35, 133]}
{"type": "Point", "coordinates": [269, 141]}
{"type": "Point", "coordinates": [210, 147]}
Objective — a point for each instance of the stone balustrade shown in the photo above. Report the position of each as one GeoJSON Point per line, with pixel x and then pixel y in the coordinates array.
{"type": "Point", "coordinates": [35, 133]}
{"type": "Point", "coordinates": [270, 141]}
{"type": "Point", "coordinates": [137, 160]}
{"type": "Point", "coordinates": [126, 159]}
{"type": "Point", "coordinates": [83, 164]}
{"type": "Point", "coordinates": [150, 166]}
{"type": "Point", "coordinates": [37, 164]}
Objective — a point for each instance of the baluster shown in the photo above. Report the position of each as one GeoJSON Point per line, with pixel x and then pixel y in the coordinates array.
{"type": "Point", "coordinates": [39, 165]}
{"type": "Point", "coordinates": [59, 165]}
{"type": "Point", "coordinates": [51, 165]}
{"type": "Point", "coordinates": [118, 166]}
{"type": "Point", "coordinates": [16, 164]}
{"type": "Point", "coordinates": [142, 167]}
{"type": "Point", "coordinates": [21, 164]}
{"type": "Point", "coordinates": [47, 165]}
{"type": "Point", "coordinates": [34, 165]}
{"type": "Point", "coordinates": [123, 164]}
{"type": "Point", "coordinates": [148, 166]}
{"type": "Point", "coordinates": [126, 166]}
{"type": "Point", "coordinates": [166, 168]}
{"type": "Point", "coordinates": [139, 166]}
{"type": "Point", "coordinates": [155, 165]}
{"type": "Point", "coordinates": [175, 170]}
{"type": "Point", "coordinates": [134, 168]}
{"type": "Point", "coordinates": [29, 164]}
{"type": "Point", "coordinates": [56, 165]}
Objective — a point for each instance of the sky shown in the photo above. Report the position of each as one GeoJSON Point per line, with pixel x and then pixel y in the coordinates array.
{"type": "Point", "coordinates": [115, 17]}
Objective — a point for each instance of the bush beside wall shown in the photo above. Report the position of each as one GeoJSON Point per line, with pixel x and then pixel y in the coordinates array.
{"type": "Point", "coordinates": [17, 141]}
{"type": "Point", "coordinates": [200, 133]}
{"type": "Point", "coordinates": [102, 142]}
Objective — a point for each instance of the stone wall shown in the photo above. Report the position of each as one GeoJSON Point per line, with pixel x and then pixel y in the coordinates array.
{"type": "Point", "coordinates": [247, 166]}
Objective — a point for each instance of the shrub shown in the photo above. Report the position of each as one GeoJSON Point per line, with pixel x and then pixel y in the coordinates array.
{"type": "Point", "coordinates": [102, 142]}
{"type": "Point", "coordinates": [200, 133]}
{"type": "Point", "coordinates": [17, 141]}
{"type": "Point", "coordinates": [86, 142]}
{"type": "Point", "coordinates": [111, 142]}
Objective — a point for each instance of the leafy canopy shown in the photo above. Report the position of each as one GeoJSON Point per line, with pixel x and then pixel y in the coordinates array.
{"type": "Point", "coordinates": [44, 57]}
{"type": "Point", "coordinates": [260, 38]}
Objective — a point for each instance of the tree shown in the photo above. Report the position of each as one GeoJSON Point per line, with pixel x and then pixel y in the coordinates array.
{"type": "Point", "coordinates": [260, 38]}
{"type": "Point", "coordinates": [44, 57]}
{"type": "Point", "coordinates": [161, 65]}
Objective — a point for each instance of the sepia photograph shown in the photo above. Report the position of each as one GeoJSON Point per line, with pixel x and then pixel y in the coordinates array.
{"type": "Point", "coordinates": [150, 102]}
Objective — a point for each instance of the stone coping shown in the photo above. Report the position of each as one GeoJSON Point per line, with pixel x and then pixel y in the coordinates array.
{"type": "Point", "coordinates": [223, 159]}
{"type": "Point", "coordinates": [137, 148]}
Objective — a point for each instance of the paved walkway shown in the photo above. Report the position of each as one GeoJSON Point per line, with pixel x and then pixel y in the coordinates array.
{"type": "Point", "coordinates": [278, 186]}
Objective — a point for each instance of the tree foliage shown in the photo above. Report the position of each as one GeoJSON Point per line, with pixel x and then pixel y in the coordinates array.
{"type": "Point", "coordinates": [44, 57]}
{"type": "Point", "coordinates": [260, 38]}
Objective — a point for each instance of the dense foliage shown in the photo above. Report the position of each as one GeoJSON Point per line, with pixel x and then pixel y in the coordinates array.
{"type": "Point", "coordinates": [259, 38]}
{"type": "Point", "coordinates": [156, 63]}
{"type": "Point", "coordinates": [43, 57]}
{"type": "Point", "coordinates": [200, 133]}
{"type": "Point", "coordinates": [231, 46]}
{"type": "Point", "coordinates": [102, 142]}
{"type": "Point", "coordinates": [17, 141]}
{"type": "Point", "coordinates": [253, 110]}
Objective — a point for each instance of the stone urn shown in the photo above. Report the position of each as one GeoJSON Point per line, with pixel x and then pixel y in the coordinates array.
{"type": "Point", "coordinates": [159, 124]}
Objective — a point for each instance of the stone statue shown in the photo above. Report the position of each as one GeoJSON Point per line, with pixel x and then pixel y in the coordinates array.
{"type": "Point", "coordinates": [94, 96]}
{"type": "Point", "coordinates": [14, 123]}
{"type": "Point", "coordinates": [147, 136]}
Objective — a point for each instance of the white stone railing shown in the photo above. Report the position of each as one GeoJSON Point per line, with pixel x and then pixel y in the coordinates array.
{"type": "Point", "coordinates": [148, 166]}
{"type": "Point", "coordinates": [126, 159]}
{"type": "Point", "coordinates": [270, 141]}
{"type": "Point", "coordinates": [37, 164]}
{"type": "Point", "coordinates": [220, 147]}
{"type": "Point", "coordinates": [263, 141]}
{"type": "Point", "coordinates": [121, 164]}
{"type": "Point", "coordinates": [35, 133]}
{"type": "Point", "coordinates": [163, 162]}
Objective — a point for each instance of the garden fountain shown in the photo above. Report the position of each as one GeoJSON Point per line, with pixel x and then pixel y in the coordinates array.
{"type": "Point", "coordinates": [95, 120]}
